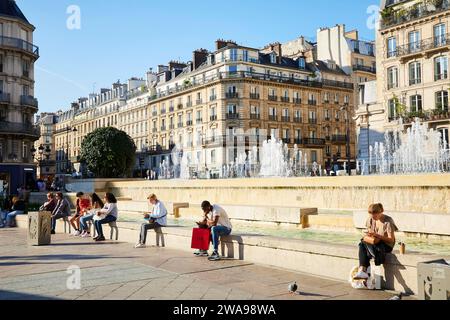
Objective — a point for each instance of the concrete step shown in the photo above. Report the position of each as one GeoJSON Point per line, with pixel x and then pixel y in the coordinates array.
{"type": "Point", "coordinates": [323, 259]}
{"type": "Point", "coordinates": [336, 222]}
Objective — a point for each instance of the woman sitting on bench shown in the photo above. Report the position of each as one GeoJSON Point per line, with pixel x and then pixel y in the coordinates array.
{"type": "Point", "coordinates": [379, 240]}
{"type": "Point", "coordinates": [157, 219]}
{"type": "Point", "coordinates": [97, 204]}
{"type": "Point", "coordinates": [108, 214]}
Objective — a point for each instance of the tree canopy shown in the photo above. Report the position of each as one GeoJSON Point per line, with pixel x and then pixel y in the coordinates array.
{"type": "Point", "coordinates": [109, 153]}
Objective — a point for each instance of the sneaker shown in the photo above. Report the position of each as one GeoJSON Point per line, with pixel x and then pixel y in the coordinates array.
{"type": "Point", "coordinates": [201, 253]}
{"type": "Point", "coordinates": [139, 246]}
{"type": "Point", "coordinates": [361, 275]}
{"type": "Point", "coordinates": [53, 232]}
{"type": "Point", "coordinates": [77, 234]}
{"type": "Point", "coordinates": [100, 239]}
{"type": "Point", "coordinates": [214, 257]}
{"type": "Point", "coordinates": [86, 235]}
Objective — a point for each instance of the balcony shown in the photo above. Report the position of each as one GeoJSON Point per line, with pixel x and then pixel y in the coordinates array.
{"type": "Point", "coordinates": [213, 117]}
{"type": "Point", "coordinates": [339, 138]}
{"type": "Point", "coordinates": [285, 99]}
{"type": "Point", "coordinates": [424, 47]}
{"type": "Point", "coordinates": [155, 113]}
{"type": "Point", "coordinates": [171, 109]}
{"type": "Point", "coordinates": [154, 130]}
{"type": "Point", "coordinates": [391, 17]}
{"type": "Point", "coordinates": [189, 123]}
{"type": "Point", "coordinates": [163, 111]}
{"type": "Point", "coordinates": [312, 121]}
{"type": "Point", "coordinates": [313, 142]}
{"type": "Point", "coordinates": [286, 140]}
{"type": "Point", "coordinates": [180, 106]}
{"type": "Point", "coordinates": [273, 98]}
{"type": "Point", "coordinates": [298, 141]}
{"type": "Point", "coordinates": [213, 98]}
{"type": "Point", "coordinates": [19, 44]}
{"type": "Point", "coordinates": [232, 116]}
{"type": "Point", "coordinates": [286, 119]}
{"type": "Point", "coordinates": [327, 119]}
{"type": "Point", "coordinates": [199, 101]}
{"type": "Point", "coordinates": [327, 138]}
{"type": "Point", "coordinates": [19, 129]}
{"type": "Point", "coordinates": [189, 104]}
{"type": "Point", "coordinates": [297, 101]}
{"type": "Point", "coordinates": [298, 120]}
{"type": "Point", "coordinates": [273, 118]}
{"type": "Point", "coordinates": [172, 126]}
{"type": "Point", "coordinates": [29, 101]}
{"type": "Point", "coordinates": [365, 69]}
{"type": "Point", "coordinates": [231, 95]}
{"type": "Point", "coordinates": [163, 128]}
{"type": "Point", "coordinates": [312, 102]}
{"type": "Point", "coordinates": [5, 97]}
{"type": "Point", "coordinates": [180, 125]}
{"type": "Point", "coordinates": [254, 96]}
{"type": "Point", "coordinates": [199, 121]}
{"type": "Point", "coordinates": [255, 116]}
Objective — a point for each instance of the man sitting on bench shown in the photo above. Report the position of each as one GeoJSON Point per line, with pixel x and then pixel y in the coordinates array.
{"type": "Point", "coordinates": [157, 219]}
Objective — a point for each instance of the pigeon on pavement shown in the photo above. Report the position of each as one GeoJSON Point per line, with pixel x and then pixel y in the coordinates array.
{"type": "Point", "coordinates": [293, 287]}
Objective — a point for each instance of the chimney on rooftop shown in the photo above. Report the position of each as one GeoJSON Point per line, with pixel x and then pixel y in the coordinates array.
{"type": "Point", "coordinates": [199, 57]}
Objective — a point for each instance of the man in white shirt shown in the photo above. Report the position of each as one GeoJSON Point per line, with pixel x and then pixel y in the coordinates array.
{"type": "Point", "coordinates": [219, 222]}
{"type": "Point", "coordinates": [157, 219]}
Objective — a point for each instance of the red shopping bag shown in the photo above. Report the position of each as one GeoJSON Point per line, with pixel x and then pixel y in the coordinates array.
{"type": "Point", "coordinates": [200, 239]}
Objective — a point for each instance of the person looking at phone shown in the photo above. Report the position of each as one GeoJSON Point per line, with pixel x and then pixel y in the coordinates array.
{"type": "Point", "coordinates": [108, 214]}
{"type": "Point", "coordinates": [156, 219]}
{"type": "Point", "coordinates": [379, 240]}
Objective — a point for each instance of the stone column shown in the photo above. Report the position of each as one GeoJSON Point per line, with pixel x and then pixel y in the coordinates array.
{"type": "Point", "coordinates": [39, 228]}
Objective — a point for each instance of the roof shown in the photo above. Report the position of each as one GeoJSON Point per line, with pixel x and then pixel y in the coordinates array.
{"type": "Point", "coordinates": [9, 8]}
{"type": "Point", "coordinates": [323, 67]}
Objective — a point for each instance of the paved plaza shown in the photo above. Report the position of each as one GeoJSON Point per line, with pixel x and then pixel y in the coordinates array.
{"type": "Point", "coordinates": [114, 270]}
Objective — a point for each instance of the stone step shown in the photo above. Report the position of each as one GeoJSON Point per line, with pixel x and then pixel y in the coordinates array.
{"type": "Point", "coordinates": [337, 222]}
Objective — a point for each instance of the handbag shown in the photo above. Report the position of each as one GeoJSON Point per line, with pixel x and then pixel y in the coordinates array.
{"type": "Point", "coordinates": [200, 239]}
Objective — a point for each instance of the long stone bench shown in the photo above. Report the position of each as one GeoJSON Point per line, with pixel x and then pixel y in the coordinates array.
{"type": "Point", "coordinates": [317, 258]}
{"type": "Point", "coordinates": [131, 206]}
{"type": "Point", "coordinates": [411, 222]}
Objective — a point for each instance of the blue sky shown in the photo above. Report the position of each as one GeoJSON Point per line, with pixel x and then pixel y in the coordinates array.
{"type": "Point", "coordinates": [120, 39]}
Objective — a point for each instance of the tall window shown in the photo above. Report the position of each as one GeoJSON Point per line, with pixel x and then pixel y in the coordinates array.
{"type": "Point", "coordinates": [415, 73]}
{"type": "Point", "coordinates": [442, 100]}
{"type": "Point", "coordinates": [301, 63]}
{"type": "Point", "coordinates": [233, 55]}
{"type": "Point", "coordinates": [440, 68]}
{"type": "Point", "coordinates": [391, 107]}
{"type": "Point", "coordinates": [414, 41]}
{"type": "Point", "coordinates": [392, 47]}
{"type": "Point", "coordinates": [392, 78]}
{"type": "Point", "coordinates": [1, 62]}
{"type": "Point", "coordinates": [416, 103]}
{"type": "Point", "coordinates": [440, 38]}
{"type": "Point", "coordinates": [232, 109]}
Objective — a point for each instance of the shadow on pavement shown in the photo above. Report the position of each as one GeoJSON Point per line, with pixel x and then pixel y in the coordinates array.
{"type": "Point", "coordinates": [9, 295]}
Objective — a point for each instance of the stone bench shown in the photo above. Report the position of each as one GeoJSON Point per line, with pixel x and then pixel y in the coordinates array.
{"type": "Point", "coordinates": [411, 222]}
{"type": "Point", "coordinates": [290, 215]}
{"type": "Point", "coordinates": [312, 257]}
{"type": "Point", "coordinates": [141, 207]}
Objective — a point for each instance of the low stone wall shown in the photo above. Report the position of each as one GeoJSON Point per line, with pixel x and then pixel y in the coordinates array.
{"type": "Point", "coordinates": [317, 258]}
{"type": "Point", "coordinates": [420, 193]}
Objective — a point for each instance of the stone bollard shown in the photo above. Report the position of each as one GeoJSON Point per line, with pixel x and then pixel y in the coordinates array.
{"type": "Point", "coordinates": [39, 228]}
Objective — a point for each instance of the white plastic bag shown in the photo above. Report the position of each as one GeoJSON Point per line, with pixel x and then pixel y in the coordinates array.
{"type": "Point", "coordinates": [368, 284]}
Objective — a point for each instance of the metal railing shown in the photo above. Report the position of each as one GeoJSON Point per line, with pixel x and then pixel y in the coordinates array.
{"type": "Point", "coordinates": [312, 120]}
{"type": "Point", "coordinates": [231, 95]}
{"type": "Point", "coordinates": [286, 119]}
{"type": "Point", "coordinates": [422, 46]}
{"type": "Point", "coordinates": [297, 101]}
{"type": "Point", "coordinates": [358, 67]}
{"type": "Point", "coordinates": [19, 44]}
{"type": "Point", "coordinates": [273, 98]}
{"type": "Point", "coordinates": [19, 128]}
{"type": "Point", "coordinates": [313, 142]}
{"type": "Point", "coordinates": [5, 97]}
{"type": "Point", "coordinates": [213, 118]}
{"type": "Point", "coordinates": [255, 116]}
{"type": "Point", "coordinates": [339, 138]}
{"type": "Point", "coordinates": [254, 96]}
{"type": "Point", "coordinates": [285, 99]}
{"type": "Point", "coordinates": [232, 116]}
{"type": "Point", "coordinates": [273, 118]}
{"type": "Point", "coordinates": [29, 101]}
{"type": "Point", "coordinates": [298, 120]}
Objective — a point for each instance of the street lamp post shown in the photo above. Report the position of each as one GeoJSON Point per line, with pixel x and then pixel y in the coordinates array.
{"type": "Point", "coordinates": [348, 148]}
{"type": "Point", "coordinates": [68, 130]}
{"type": "Point", "coordinates": [42, 152]}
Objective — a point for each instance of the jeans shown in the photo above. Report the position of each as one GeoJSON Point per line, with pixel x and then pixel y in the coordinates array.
{"type": "Point", "coordinates": [84, 220]}
{"type": "Point", "coordinates": [217, 232]}
{"type": "Point", "coordinates": [369, 251]}
{"type": "Point", "coordinates": [144, 228]}
{"type": "Point", "coordinates": [55, 218]}
{"type": "Point", "coordinates": [98, 224]}
{"type": "Point", "coordinates": [11, 217]}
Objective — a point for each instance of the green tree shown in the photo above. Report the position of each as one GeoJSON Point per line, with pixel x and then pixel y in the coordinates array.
{"type": "Point", "coordinates": [109, 153]}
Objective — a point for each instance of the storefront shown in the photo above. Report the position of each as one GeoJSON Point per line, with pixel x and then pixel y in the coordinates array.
{"type": "Point", "coordinates": [15, 176]}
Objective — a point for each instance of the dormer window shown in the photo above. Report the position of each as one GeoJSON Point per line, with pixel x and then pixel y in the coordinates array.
{"type": "Point", "coordinates": [273, 58]}
{"type": "Point", "coordinates": [302, 63]}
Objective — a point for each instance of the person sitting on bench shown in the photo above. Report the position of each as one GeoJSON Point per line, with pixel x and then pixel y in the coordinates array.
{"type": "Point", "coordinates": [50, 205]}
{"type": "Point", "coordinates": [108, 214]}
{"type": "Point", "coordinates": [61, 211]}
{"type": "Point", "coordinates": [157, 219]}
{"type": "Point", "coordinates": [219, 222]}
{"type": "Point", "coordinates": [379, 240]}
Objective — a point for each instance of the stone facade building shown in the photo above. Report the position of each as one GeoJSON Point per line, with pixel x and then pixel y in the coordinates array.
{"type": "Point", "coordinates": [413, 50]}
{"type": "Point", "coordinates": [17, 103]}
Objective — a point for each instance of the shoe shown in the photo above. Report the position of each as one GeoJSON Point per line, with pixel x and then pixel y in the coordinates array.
{"type": "Point", "coordinates": [86, 235]}
{"type": "Point", "coordinates": [361, 275]}
{"type": "Point", "coordinates": [100, 239]}
{"type": "Point", "coordinates": [77, 234]}
{"type": "Point", "coordinates": [140, 246]}
{"type": "Point", "coordinates": [95, 238]}
{"type": "Point", "coordinates": [214, 257]}
{"type": "Point", "coordinates": [53, 232]}
{"type": "Point", "coordinates": [201, 253]}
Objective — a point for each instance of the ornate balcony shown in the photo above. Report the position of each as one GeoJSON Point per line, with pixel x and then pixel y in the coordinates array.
{"type": "Point", "coordinates": [424, 47]}
{"type": "Point", "coordinates": [338, 138]}
{"type": "Point", "coordinates": [232, 95]}
{"type": "Point", "coordinates": [5, 97]}
{"type": "Point", "coordinates": [20, 44]}
{"type": "Point", "coordinates": [232, 116]}
{"type": "Point", "coordinates": [365, 69]}
{"type": "Point", "coordinates": [313, 142]}
{"type": "Point", "coordinates": [254, 96]}
{"type": "Point", "coordinates": [285, 99]}
{"type": "Point", "coordinates": [19, 129]}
